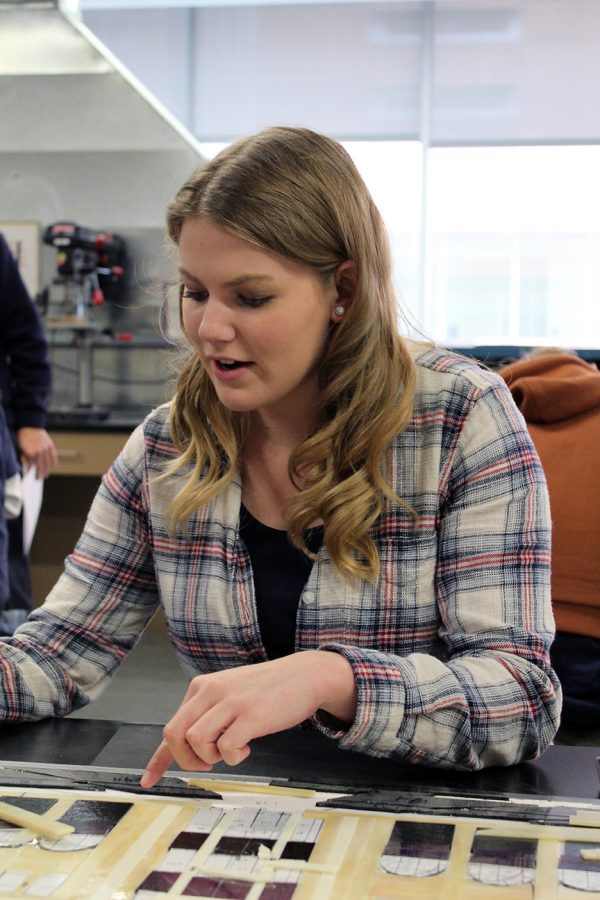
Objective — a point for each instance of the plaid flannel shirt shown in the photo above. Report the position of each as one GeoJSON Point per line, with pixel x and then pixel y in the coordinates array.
{"type": "Point", "coordinates": [450, 648]}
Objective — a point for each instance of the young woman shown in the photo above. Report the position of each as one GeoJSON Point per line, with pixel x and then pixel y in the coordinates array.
{"type": "Point", "coordinates": [340, 525]}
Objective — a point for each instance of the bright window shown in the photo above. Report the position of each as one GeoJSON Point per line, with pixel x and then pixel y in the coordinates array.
{"type": "Point", "coordinates": [514, 248]}
{"type": "Point", "coordinates": [493, 242]}
{"type": "Point", "coordinates": [392, 172]}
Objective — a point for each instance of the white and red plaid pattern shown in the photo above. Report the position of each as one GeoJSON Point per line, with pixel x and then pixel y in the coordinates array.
{"type": "Point", "coordinates": [450, 648]}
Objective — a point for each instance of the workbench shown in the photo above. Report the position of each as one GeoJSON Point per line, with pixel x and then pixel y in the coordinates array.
{"type": "Point", "coordinates": [300, 819]}
{"type": "Point", "coordinates": [302, 754]}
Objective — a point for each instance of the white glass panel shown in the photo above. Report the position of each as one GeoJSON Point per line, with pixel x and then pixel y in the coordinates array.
{"type": "Point", "coordinates": [515, 245]}
{"type": "Point", "coordinates": [392, 172]}
{"type": "Point", "coordinates": [349, 70]}
{"type": "Point", "coordinates": [516, 71]}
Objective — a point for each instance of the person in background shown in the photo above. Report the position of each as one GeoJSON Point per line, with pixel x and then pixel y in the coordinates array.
{"type": "Point", "coordinates": [342, 527]}
{"type": "Point", "coordinates": [24, 388]}
{"type": "Point", "coordinates": [559, 396]}
{"type": "Point", "coordinates": [11, 501]}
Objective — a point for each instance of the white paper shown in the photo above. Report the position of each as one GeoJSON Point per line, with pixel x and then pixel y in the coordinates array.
{"type": "Point", "coordinates": [33, 491]}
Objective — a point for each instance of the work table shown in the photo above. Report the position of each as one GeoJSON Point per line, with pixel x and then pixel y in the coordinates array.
{"type": "Point", "coordinates": [302, 755]}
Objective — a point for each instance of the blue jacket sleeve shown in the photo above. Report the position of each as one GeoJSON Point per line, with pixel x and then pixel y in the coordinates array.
{"type": "Point", "coordinates": [24, 364]}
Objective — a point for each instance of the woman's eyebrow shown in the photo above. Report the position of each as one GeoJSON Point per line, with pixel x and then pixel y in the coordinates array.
{"type": "Point", "coordinates": [245, 278]}
{"type": "Point", "coordinates": [188, 275]}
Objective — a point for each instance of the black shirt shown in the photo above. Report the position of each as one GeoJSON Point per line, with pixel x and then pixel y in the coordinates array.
{"type": "Point", "coordinates": [280, 573]}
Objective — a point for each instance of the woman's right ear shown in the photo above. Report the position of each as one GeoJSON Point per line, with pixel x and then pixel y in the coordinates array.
{"type": "Point", "coordinates": [346, 278]}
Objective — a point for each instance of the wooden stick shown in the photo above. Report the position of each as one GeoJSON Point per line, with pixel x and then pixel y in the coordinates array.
{"type": "Point", "coordinates": [546, 886]}
{"type": "Point", "coordinates": [249, 787]}
{"type": "Point", "coordinates": [23, 818]}
{"type": "Point", "coordinates": [587, 818]}
{"type": "Point", "coordinates": [276, 850]}
{"type": "Point", "coordinates": [196, 866]}
{"type": "Point", "coordinates": [455, 875]}
{"type": "Point", "coordinates": [541, 832]}
{"type": "Point", "coordinates": [300, 865]}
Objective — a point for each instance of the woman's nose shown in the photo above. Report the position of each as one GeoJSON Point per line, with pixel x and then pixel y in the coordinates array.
{"type": "Point", "coordinates": [216, 324]}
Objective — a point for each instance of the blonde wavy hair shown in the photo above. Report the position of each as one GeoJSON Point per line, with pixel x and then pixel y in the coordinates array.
{"type": "Point", "coordinates": [298, 193]}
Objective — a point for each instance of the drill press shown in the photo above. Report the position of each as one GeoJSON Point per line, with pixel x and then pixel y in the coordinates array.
{"type": "Point", "coordinates": [89, 267]}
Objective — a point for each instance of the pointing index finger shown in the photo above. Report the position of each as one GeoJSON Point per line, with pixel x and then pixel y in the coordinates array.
{"type": "Point", "coordinates": [158, 764]}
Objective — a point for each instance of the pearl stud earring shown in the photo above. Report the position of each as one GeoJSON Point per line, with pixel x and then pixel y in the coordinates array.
{"type": "Point", "coordinates": [339, 310]}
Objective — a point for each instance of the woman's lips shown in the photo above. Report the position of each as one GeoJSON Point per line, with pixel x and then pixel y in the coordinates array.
{"type": "Point", "coordinates": [226, 372]}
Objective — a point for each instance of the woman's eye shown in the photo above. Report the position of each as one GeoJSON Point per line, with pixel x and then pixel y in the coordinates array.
{"type": "Point", "coordinates": [253, 301]}
{"type": "Point", "coordinates": [196, 296]}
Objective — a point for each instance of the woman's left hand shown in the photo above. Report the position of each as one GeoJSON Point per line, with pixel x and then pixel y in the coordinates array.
{"type": "Point", "coordinates": [223, 711]}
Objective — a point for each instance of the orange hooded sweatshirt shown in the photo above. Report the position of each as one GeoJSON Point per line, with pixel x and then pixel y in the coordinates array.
{"type": "Point", "coordinates": [559, 396]}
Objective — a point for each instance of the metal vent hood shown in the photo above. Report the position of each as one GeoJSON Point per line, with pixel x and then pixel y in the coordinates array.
{"type": "Point", "coordinates": [79, 136]}
{"type": "Point", "coordinates": [82, 140]}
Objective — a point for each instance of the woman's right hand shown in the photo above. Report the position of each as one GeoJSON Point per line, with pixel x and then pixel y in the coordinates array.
{"type": "Point", "coordinates": [223, 712]}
